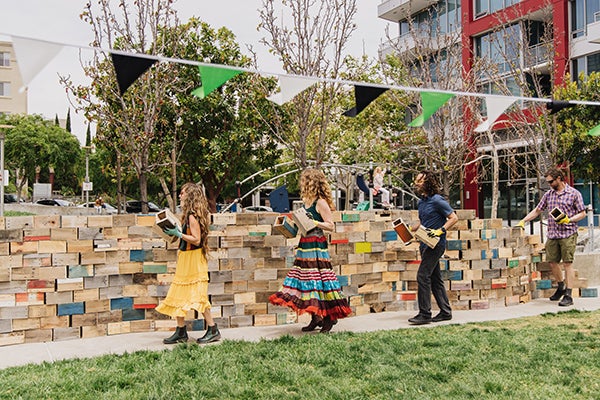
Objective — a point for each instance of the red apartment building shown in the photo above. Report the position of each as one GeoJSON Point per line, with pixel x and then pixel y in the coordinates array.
{"type": "Point", "coordinates": [575, 36]}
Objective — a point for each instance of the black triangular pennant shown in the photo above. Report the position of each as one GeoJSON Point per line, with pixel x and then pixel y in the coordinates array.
{"type": "Point", "coordinates": [129, 68]}
{"type": "Point", "coordinates": [556, 105]}
{"type": "Point", "coordinates": [363, 95]}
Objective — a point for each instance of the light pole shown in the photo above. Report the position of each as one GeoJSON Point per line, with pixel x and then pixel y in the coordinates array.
{"type": "Point", "coordinates": [2, 137]}
{"type": "Point", "coordinates": [86, 183]}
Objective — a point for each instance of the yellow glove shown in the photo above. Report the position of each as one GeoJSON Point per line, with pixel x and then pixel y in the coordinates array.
{"type": "Point", "coordinates": [436, 232]}
{"type": "Point", "coordinates": [316, 222]}
{"type": "Point", "coordinates": [565, 220]}
{"type": "Point", "coordinates": [521, 224]}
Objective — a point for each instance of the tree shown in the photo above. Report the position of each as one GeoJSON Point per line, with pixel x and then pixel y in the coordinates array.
{"type": "Point", "coordinates": [313, 46]}
{"type": "Point", "coordinates": [577, 149]}
{"type": "Point", "coordinates": [68, 123]}
{"type": "Point", "coordinates": [128, 123]}
{"type": "Point", "coordinates": [35, 142]}
{"type": "Point", "coordinates": [427, 56]}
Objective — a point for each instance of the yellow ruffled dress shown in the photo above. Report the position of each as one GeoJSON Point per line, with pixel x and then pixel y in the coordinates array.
{"type": "Point", "coordinates": [189, 289]}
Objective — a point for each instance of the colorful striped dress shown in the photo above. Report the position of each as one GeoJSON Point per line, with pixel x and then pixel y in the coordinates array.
{"type": "Point", "coordinates": [311, 285]}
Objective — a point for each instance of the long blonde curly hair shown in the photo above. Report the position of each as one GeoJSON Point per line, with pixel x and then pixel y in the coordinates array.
{"type": "Point", "coordinates": [195, 203]}
{"type": "Point", "coordinates": [314, 186]}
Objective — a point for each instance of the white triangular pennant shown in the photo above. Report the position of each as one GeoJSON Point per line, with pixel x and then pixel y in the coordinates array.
{"type": "Point", "coordinates": [33, 56]}
{"type": "Point", "coordinates": [495, 107]}
{"type": "Point", "coordinates": [290, 86]}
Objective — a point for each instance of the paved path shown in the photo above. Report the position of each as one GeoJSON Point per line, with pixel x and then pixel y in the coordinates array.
{"type": "Point", "coordinates": [118, 344]}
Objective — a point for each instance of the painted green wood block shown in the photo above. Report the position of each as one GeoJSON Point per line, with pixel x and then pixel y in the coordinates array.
{"type": "Point", "coordinates": [133, 314]}
{"type": "Point", "coordinates": [80, 271]}
{"type": "Point", "coordinates": [154, 268]}
{"type": "Point", "coordinates": [350, 217]}
{"type": "Point", "coordinates": [257, 233]}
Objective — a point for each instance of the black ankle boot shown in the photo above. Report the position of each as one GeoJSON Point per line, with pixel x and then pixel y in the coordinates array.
{"type": "Point", "coordinates": [212, 335]}
{"type": "Point", "coordinates": [328, 323]}
{"type": "Point", "coordinates": [314, 322]}
{"type": "Point", "coordinates": [179, 336]}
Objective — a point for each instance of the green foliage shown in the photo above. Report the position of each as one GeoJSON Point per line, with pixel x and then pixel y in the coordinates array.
{"type": "Point", "coordinates": [492, 360]}
{"type": "Point", "coordinates": [35, 142]}
{"type": "Point", "coordinates": [580, 150]}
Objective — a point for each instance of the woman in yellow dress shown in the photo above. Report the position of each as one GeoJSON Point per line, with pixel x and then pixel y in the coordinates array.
{"type": "Point", "coordinates": [189, 290]}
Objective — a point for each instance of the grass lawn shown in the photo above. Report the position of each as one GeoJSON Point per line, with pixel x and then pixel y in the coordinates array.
{"type": "Point", "coordinates": [553, 356]}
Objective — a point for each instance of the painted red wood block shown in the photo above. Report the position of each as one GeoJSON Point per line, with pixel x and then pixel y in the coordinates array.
{"type": "Point", "coordinates": [144, 306]}
{"type": "Point", "coordinates": [339, 241]}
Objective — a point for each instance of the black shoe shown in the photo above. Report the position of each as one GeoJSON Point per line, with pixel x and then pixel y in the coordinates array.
{"type": "Point", "coordinates": [558, 294]}
{"type": "Point", "coordinates": [328, 323]}
{"type": "Point", "coordinates": [212, 335]}
{"type": "Point", "coordinates": [419, 320]}
{"type": "Point", "coordinates": [179, 336]}
{"type": "Point", "coordinates": [566, 301]}
{"type": "Point", "coordinates": [441, 317]}
{"type": "Point", "coordinates": [314, 322]}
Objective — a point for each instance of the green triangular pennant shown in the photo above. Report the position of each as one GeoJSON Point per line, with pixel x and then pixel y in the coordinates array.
{"type": "Point", "coordinates": [212, 78]}
{"type": "Point", "coordinates": [595, 131]}
{"type": "Point", "coordinates": [430, 102]}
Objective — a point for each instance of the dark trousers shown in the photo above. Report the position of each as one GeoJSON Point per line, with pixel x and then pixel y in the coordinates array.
{"type": "Point", "coordinates": [429, 279]}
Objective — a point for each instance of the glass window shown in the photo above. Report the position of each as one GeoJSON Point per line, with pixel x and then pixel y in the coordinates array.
{"type": "Point", "coordinates": [482, 7]}
{"type": "Point", "coordinates": [577, 18]}
{"type": "Point", "coordinates": [591, 8]}
{"type": "Point", "coordinates": [593, 63]}
{"type": "Point", "coordinates": [4, 59]}
{"type": "Point", "coordinates": [4, 89]}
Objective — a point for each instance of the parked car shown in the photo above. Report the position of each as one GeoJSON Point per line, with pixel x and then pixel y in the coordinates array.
{"type": "Point", "coordinates": [55, 202]}
{"type": "Point", "coordinates": [258, 209]}
{"type": "Point", "coordinates": [106, 208]}
{"type": "Point", "coordinates": [135, 207]}
{"type": "Point", "coordinates": [10, 198]}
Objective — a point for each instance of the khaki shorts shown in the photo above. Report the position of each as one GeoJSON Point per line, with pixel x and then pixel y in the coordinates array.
{"type": "Point", "coordinates": [561, 249]}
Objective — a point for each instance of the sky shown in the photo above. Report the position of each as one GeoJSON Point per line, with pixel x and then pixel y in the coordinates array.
{"type": "Point", "coordinates": [58, 21]}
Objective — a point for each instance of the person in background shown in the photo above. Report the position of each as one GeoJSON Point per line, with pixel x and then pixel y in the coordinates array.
{"type": "Point", "coordinates": [189, 289]}
{"type": "Point", "coordinates": [435, 214]}
{"type": "Point", "coordinates": [378, 186]}
{"type": "Point", "coordinates": [98, 204]}
{"type": "Point", "coordinates": [311, 285]}
{"type": "Point", "coordinates": [562, 234]}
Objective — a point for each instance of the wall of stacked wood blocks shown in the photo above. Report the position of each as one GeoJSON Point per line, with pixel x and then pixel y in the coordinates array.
{"type": "Point", "coordinates": [66, 277]}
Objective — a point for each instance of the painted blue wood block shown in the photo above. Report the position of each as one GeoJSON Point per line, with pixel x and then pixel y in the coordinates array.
{"type": "Point", "coordinates": [444, 264]}
{"type": "Point", "coordinates": [388, 236]}
{"type": "Point", "coordinates": [198, 325]}
{"type": "Point", "coordinates": [70, 308]}
{"type": "Point", "coordinates": [488, 234]}
{"type": "Point", "coordinates": [543, 284]}
{"type": "Point", "coordinates": [343, 279]}
{"type": "Point", "coordinates": [140, 255]}
{"type": "Point", "coordinates": [451, 275]}
{"type": "Point", "coordinates": [133, 314]}
{"type": "Point", "coordinates": [394, 286]}
{"type": "Point", "coordinates": [489, 254]}
{"type": "Point", "coordinates": [121, 303]}
{"type": "Point", "coordinates": [455, 244]}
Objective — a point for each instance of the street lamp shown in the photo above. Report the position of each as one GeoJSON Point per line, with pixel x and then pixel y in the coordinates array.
{"type": "Point", "coordinates": [86, 183]}
{"type": "Point", "coordinates": [2, 137]}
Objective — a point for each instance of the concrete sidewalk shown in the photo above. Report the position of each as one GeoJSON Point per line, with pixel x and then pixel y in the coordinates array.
{"type": "Point", "coordinates": [16, 355]}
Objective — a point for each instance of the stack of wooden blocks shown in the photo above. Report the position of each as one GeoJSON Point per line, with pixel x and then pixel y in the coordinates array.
{"type": "Point", "coordinates": [65, 277]}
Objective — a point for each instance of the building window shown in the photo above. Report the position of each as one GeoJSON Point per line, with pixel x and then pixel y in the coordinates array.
{"type": "Point", "coordinates": [583, 13]}
{"type": "Point", "coordinates": [484, 7]}
{"type": "Point", "coordinates": [585, 65]}
{"type": "Point", "coordinates": [4, 59]}
{"type": "Point", "coordinates": [443, 17]}
{"type": "Point", "coordinates": [5, 89]}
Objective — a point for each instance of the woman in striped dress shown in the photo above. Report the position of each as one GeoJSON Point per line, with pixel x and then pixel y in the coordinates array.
{"type": "Point", "coordinates": [311, 285]}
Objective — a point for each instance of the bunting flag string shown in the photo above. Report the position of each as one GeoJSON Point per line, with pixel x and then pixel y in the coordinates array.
{"type": "Point", "coordinates": [289, 87]}
{"type": "Point", "coordinates": [430, 103]}
{"type": "Point", "coordinates": [363, 96]}
{"type": "Point", "coordinates": [34, 54]}
{"type": "Point", "coordinates": [495, 107]}
{"type": "Point", "coordinates": [128, 69]}
{"type": "Point", "coordinates": [212, 77]}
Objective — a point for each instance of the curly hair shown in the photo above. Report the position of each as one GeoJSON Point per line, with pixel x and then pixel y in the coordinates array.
{"type": "Point", "coordinates": [195, 203]}
{"type": "Point", "coordinates": [555, 173]}
{"type": "Point", "coordinates": [430, 185]}
{"type": "Point", "coordinates": [314, 186]}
